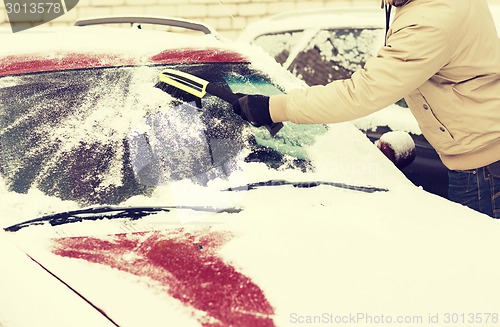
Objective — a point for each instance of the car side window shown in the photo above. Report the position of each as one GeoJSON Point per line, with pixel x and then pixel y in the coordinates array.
{"type": "Point", "coordinates": [335, 54]}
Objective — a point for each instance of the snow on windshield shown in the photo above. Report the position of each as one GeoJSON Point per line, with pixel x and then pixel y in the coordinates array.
{"type": "Point", "coordinates": [341, 154]}
{"type": "Point", "coordinates": [81, 137]}
{"type": "Point", "coordinates": [89, 126]}
{"type": "Point", "coordinates": [68, 126]}
{"type": "Point", "coordinates": [104, 135]}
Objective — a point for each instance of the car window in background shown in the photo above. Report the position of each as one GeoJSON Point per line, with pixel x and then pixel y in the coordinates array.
{"type": "Point", "coordinates": [335, 54]}
{"type": "Point", "coordinates": [321, 56]}
{"type": "Point", "coordinates": [279, 45]}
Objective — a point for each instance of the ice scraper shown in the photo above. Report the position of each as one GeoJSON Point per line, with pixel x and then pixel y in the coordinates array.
{"type": "Point", "coordinates": [192, 88]}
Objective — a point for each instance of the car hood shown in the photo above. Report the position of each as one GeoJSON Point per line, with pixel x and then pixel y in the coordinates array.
{"type": "Point", "coordinates": [289, 255]}
{"type": "Point", "coordinates": [270, 264]}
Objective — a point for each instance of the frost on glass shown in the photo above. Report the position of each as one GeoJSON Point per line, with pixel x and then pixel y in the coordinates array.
{"type": "Point", "coordinates": [279, 45]}
{"type": "Point", "coordinates": [336, 54]}
{"type": "Point", "coordinates": [291, 141]}
{"type": "Point", "coordinates": [101, 136]}
{"type": "Point", "coordinates": [64, 132]}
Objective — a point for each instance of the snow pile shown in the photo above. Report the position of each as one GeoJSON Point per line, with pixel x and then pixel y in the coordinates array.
{"type": "Point", "coordinates": [20, 207]}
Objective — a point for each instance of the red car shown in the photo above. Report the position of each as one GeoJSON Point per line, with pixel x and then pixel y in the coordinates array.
{"type": "Point", "coordinates": [124, 205]}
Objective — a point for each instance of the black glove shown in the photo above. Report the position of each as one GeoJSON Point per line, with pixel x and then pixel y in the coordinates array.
{"type": "Point", "coordinates": [254, 109]}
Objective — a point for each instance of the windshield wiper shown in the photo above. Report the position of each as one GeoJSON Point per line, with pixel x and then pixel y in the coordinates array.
{"type": "Point", "coordinates": [135, 213]}
{"type": "Point", "coordinates": [108, 212]}
{"type": "Point", "coordinates": [308, 184]}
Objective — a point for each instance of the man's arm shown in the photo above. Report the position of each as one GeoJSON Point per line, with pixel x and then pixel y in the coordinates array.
{"type": "Point", "coordinates": [413, 54]}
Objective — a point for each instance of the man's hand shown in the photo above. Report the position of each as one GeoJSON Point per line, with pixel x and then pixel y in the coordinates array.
{"type": "Point", "coordinates": [254, 109]}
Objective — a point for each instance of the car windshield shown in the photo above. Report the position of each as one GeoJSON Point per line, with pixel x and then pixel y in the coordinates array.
{"type": "Point", "coordinates": [103, 135]}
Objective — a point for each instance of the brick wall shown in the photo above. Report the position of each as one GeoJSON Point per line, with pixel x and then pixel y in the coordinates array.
{"type": "Point", "coordinates": [227, 16]}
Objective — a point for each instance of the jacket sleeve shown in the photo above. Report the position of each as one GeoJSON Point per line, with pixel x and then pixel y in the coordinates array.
{"type": "Point", "coordinates": [413, 54]}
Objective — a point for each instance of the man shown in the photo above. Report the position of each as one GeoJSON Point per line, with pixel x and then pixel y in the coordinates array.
{"type": "Point", "coordinates": [443, 57]}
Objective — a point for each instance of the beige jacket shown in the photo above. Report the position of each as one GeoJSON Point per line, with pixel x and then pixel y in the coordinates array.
{"type": "Point", "coordinates": [443, 57]}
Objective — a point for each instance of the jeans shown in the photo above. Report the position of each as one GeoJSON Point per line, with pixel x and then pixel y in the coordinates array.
{"type": "Point", "coordinates": [478, 189]}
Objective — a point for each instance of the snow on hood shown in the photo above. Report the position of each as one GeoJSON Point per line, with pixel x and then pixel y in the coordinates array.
{"type": "Point", "coordinates": [395, 117]}
{"type": "Point", "coordinates": [296, 252]}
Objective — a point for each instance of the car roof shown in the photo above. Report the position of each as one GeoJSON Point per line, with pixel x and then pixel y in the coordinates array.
{"type": "Point", "coordinates": [315, 18]}
{"type": "Point", "coordinates": [99, 46]}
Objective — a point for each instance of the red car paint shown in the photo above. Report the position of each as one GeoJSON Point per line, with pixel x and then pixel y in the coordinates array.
{"type": "Point", "coordinates": [22, 64]}
{"type": "Point", "coordinates": [197, 56]}
{"type": "Point", "coordinates": [186, 263]}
